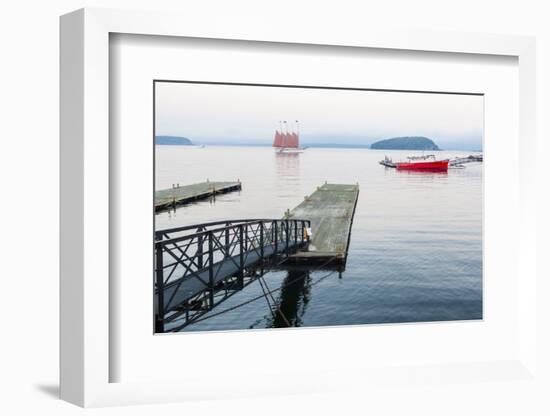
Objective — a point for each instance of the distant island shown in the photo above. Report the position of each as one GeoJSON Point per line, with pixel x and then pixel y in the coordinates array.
{"type": "Point", "coordinates": [406, 143]}
{"type": "Point", "coordinates": [173, 141]}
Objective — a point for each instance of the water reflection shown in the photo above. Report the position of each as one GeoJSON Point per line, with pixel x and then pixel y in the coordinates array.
{"type": "Point", "coordinates": [420, 173]}
{"type": "Point", "coordinates": [425, 173]}
{"type": "Point", "coordinates": [291, 305]}
{"type": "Point", "coordinates": [416, 245]}
{"type": "Point", "coordinates": [287, 165]}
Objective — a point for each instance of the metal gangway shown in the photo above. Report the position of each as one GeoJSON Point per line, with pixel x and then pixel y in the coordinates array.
{"type": "Point", "coordinates": [197, 267]}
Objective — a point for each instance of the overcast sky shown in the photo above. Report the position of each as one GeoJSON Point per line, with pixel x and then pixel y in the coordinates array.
{"type": "Point", "coordinates": [249, 114]}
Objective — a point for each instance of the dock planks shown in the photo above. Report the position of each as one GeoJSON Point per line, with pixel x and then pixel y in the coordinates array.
{"type": "Point", "coordinates": [168, 198]}
{"type": "Point", "coordinates": [330, 209]}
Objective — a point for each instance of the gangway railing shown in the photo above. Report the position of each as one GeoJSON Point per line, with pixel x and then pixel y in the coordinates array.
{"type": "Point", "coordinates": [199, 266]}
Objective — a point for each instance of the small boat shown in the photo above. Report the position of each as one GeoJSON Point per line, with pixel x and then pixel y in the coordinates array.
{"type": "Point", "coordinates": [426, 163]}
{"type": "Point", "coordinates": [387, 162]}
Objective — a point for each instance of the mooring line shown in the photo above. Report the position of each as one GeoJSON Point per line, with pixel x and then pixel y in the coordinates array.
{"type": "Point", "coordinates": [266, 298]}
{"type": "Point", "coordinates": [276, 304]}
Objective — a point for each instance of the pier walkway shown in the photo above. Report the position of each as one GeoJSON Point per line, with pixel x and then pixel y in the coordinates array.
{"type": "Point", "coordinates": [179, 195]}
{"type": "Point", "coordinates": [199, 266]}
{"type": "Point", "coordinates": [330, 209]}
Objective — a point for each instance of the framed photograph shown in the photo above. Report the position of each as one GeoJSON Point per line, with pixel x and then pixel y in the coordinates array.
{"type": "Point", "coordinates": [252, 252]}
{"type": "Point", "coordinates": [248, 205]}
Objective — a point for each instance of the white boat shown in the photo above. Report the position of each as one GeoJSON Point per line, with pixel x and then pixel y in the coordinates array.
{"type": "Point", "coordinates": [290, 150]}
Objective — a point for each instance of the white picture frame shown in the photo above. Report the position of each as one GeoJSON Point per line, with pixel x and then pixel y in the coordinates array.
{"type": "Point", "coordinates": [85, 221]}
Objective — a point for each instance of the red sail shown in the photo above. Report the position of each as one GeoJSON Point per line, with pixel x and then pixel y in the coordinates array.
{"type": "Point", "coordinates": [284, 142]}
{"type": "Point", "coordinates": [278, 142]}
{"type": "Point", "coordinates": [295, 141]}
{"type": "Point", "coordinates": [290, 140]}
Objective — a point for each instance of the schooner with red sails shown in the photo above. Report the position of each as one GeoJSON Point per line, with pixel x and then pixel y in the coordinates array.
{"type": "Point", "coordinates": [286, 141]}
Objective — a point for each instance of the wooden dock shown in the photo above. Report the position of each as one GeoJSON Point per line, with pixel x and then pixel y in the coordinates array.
{"type": "Point", "coordinates": [179, 195]}
{"type": "Point", "coordinates": [330, 209]}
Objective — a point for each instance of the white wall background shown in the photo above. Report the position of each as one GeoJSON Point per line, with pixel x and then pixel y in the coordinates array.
{"type": "Point", "coordinates": [29, 209]}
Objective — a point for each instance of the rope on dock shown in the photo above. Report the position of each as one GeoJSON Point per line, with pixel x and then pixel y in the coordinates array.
{"type": "Point", "coordinates": [254, 299]}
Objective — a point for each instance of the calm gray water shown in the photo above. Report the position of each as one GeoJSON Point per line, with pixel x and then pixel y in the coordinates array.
{"type": "Point", "coordinates": [416, 244]}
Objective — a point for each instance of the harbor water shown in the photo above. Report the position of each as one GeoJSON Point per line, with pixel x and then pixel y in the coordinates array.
{"type": "Point", "coordinates": [416, 244]}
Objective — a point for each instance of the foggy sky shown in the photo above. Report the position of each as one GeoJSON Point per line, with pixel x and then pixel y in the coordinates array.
{"type": "Point", "coordinates": [248, 114]}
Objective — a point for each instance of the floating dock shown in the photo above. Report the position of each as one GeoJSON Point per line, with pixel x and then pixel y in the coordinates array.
{"type": "Point", "coordinates": [330, 209]}
{"type": "Point", "coordinates": [180, 195]}
{"type": "Point", "coordinates": [457, 161]}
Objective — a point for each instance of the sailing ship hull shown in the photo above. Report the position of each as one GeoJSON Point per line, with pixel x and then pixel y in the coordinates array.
{"type": "Point", "coordinates": [432, 166]}
{"type": "Point", "coordinates": [289, 150]}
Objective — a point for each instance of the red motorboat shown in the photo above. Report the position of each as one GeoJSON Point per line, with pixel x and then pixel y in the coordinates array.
{"type": "Point", "coordinates": [424, 163]}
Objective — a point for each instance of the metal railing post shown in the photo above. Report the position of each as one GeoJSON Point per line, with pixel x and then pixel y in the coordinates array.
{"type": "Point", "coordinates": [159, 280]}
{"type": "Point", "coordinates": [241, 256]}
{"type": "Point", "coordinates": [275, 224]}
{"type": "Point", "coordinates": [262, 240]}
{"type": "Point", "coordinates": [211, 268]}
{"type": "Point", "coordinates": [200, 252]}
{"type": "Point", "coordinates": [227, 239]}
{"type": "Point", "coordinates": [287, 237]}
